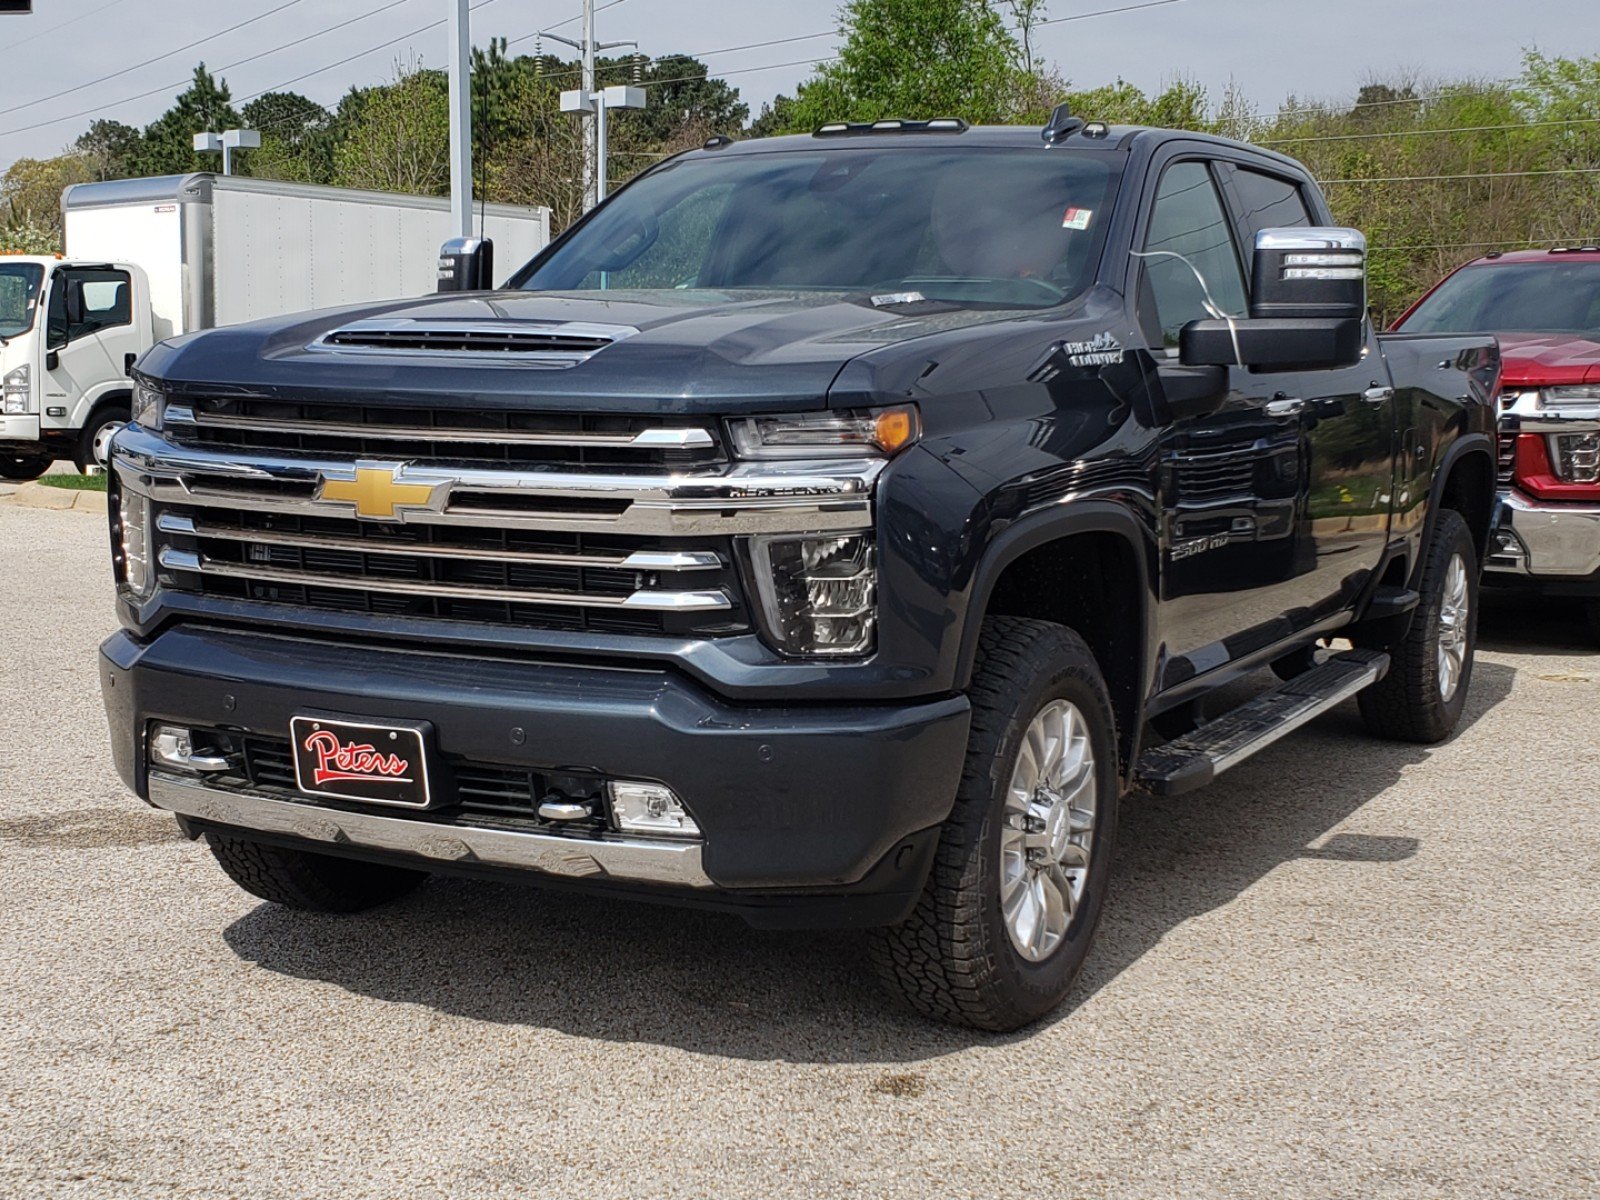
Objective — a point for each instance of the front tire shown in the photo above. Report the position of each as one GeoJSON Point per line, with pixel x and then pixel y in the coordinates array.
{"type": "Point", "coordinates": [310, 882]}
{"type": "Point", "coordinates": [1024, 861]}
{"type": "Point", "coordinates": [1425, 691]}
{"type": "Point", "coordinates": [96, 436]}
{"type": "Point", "coordinates": [23, 468]}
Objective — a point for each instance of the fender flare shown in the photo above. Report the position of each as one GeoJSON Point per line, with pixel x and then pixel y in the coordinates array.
{"type": "Point", "coordinates": [1458, 450]}
{"type": "Point", "coordinates": [118, 393]}
{"type": "Point", "coordinates": [1036, 529]}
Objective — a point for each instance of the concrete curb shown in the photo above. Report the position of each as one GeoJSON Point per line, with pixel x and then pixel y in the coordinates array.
{"type": "Point", "coordinates": [38, 495]}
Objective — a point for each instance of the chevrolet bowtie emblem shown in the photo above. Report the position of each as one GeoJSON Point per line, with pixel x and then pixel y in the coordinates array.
{"type": "Point", "coordinates": [378, 494]}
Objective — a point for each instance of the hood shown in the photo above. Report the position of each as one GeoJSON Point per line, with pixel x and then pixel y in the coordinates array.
{"type": "Point", "coordinates": [692, 352]}
{"type": "Point", "coordinates": [1547, 359]}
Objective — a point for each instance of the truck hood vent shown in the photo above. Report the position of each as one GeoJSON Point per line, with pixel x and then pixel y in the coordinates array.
{"type": "Point", "coordinates": [533, 343]}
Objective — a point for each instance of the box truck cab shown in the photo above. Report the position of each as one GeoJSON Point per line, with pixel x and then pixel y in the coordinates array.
{"type": "Point", "coordinates": [70, 332]}
{"type": "Point", "coordinates": [149, 259]}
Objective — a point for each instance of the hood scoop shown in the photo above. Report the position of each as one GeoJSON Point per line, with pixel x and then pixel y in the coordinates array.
{"type": "Point", "coordinates": [526, 343]}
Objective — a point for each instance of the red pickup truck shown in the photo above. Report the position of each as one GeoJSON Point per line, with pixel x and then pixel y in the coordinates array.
{"type": "Point", "coordinates": [1544, 305]}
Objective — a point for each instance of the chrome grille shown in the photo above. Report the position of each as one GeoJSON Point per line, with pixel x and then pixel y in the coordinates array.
{"type": "Point", "coordinates": [1508, 456]}
{"type": "Point", "coordinates": [570, 580]}
{"type": "Point", "coordinates": [444, 434]}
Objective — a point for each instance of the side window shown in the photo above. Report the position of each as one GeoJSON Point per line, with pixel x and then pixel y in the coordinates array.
{"type": "Point", "coordinates": [107, 302]}
{"type": "Point", "coordinates": [1188, 221]}
{"type": "Point", "coordinates": [1267, 202]}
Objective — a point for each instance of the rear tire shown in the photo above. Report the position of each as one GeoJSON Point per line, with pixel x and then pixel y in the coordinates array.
{"type": "Point", "coordinates": [1425, 691]}
{"type": "Point", "coordinates": [22, 468]}
{"type": "Point", "coordinates": [1022, 869]}
{"type": "Point", "coordinates": [307, 881]}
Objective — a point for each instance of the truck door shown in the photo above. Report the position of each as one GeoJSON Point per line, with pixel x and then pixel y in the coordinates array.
{"type": "Point", "coordinates": [89, 332]}
{"type": "Point", "coordinates": [1348, 423]}
{"type": "Point", "coordinates": [1233, 480]}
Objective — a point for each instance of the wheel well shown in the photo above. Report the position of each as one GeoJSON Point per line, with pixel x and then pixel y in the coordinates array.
{"type": "Point", "coordinates": [1091, 583]}
{"type": "Point", "coordinates": [1470, 490]}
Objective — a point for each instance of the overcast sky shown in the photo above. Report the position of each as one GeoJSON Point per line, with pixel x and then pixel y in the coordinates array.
{"type": "Point", "coordinates": [1271, 48]}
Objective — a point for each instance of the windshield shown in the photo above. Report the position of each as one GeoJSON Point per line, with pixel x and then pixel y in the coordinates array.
{"type": "Point", "coordinates": [1537, 297]}
{"type": "Point", "coordinates": [19, 296]}
{"type": "Point", "coordinates": [1000, 227]}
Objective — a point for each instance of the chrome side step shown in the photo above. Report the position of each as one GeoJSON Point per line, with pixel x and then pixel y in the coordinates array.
{"type": "Point", "coordinates": [1195, 759]}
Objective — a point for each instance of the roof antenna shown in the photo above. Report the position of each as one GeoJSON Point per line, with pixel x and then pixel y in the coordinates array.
{"type": "Point", "coordinates": [1062, 125]}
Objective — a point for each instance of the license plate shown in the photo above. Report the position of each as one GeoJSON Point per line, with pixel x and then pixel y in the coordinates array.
{"type": "Point", "coordinates": [377, 763]}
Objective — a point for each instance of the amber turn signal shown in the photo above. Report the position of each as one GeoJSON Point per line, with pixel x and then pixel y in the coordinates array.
{"type": "Point", "coordinates": [894, 429]}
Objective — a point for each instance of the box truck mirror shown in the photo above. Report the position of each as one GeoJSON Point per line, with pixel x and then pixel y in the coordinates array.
{"type": "Point", "coordinates": [466, 265]}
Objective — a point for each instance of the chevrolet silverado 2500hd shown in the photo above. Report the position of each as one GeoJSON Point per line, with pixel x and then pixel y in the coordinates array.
{"type": "Point", "coordinates": [816, 530]}
{"type": "Point", "coordinates": [1544, 307]}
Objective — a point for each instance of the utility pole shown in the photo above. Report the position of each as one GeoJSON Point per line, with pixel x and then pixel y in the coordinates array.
{"type": "Point", "coordinates": [460, 119]}
{"type": "Point", "coordinates": [592, 102]}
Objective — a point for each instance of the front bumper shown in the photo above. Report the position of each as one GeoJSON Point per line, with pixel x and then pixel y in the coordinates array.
{"type": "Point", "coordinates": [1547, 544]}
{"type": "Point", "coordinates": [810, 814]}
{"type": "Point", "coordinates": [19, 428]}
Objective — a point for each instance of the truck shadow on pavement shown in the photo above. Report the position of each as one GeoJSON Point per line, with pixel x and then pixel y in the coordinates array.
{"type": "Point", "coordinates": [707, 983]}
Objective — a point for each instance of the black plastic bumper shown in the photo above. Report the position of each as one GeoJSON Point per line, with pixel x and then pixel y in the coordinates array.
{"type": "Point", "coordinates": [810, 815]}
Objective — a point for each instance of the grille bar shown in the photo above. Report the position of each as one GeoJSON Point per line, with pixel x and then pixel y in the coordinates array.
{"type": "Point", "coordinates": [644, 439]}
{"type": "Point", "coordinates": [638, 560]}
{"type": "Point", "coordinates": [649, 601]}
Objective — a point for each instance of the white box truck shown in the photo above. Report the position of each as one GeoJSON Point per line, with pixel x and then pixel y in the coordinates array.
{"type": "Point", "coordinates": [149, 259]}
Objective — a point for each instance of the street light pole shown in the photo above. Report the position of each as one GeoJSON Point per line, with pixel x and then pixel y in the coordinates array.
{"type": "Point", "coordinates": [594, 153]}
{"type": "Point", "coordinates": [460, 119]}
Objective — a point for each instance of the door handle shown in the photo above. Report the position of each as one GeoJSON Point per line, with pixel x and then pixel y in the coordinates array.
{"type": "Point", "coordinates": [1285, 406]}
{"type": "Point", "coordinates": [1378, 395]}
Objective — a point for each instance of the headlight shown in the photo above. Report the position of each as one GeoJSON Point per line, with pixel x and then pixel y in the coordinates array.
{"type": "Point", "coordinates": [1583, 393]}
{"type": "Point", "coordinates": [825, 435]}
{"type": "Point", "coordinates": [818, 594]}
{"type": "Point", "coordinates": [146, 407]}
{"type": "Point", "coordinates": [1577, 456]}
{"type": "Point", "coordinates": [18, 384]}
{"type": "Point", "coordinates": [130, 538]}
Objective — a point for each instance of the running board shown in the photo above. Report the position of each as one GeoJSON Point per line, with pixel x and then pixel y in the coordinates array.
{"type": "Point", "coordinates": [1195, 759]}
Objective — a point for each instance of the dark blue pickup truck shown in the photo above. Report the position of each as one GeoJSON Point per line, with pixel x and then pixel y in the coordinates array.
{"type": "Point", "coordinates": [829, 529]}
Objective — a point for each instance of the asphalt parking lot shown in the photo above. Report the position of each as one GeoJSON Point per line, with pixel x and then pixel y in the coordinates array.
{"type": "Point", "coordinates": [1348, 969]}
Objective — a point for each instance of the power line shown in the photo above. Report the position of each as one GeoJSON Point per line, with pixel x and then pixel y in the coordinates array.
{"type": "Point", "coordinates": [69, 21]}
{"type": "Point", "coordinates": [1106, 12]}
{"type": "Point", "coordinates": [170, 87]}
{"type": "Point", "coordinates": [147, 62]}
{"type": "Point", "coordinates": [1467, 91]}
{"type": "Point", "coordinates": [1350, 137]}
{"type": "Point", "coordinates": [1471, 175]}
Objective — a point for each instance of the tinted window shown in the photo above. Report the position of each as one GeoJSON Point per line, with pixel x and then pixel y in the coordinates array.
{"type": "Point", "coordinates": [1267, 202]}
{"type": "Point", "coordinates": [1555, 297]}
{"type": "Point", "coordinates": [1015, 228]}
{"type": "Point", "coordinates": [1188, 222]}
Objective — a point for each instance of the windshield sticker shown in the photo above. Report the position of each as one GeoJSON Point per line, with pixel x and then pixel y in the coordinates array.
{"type": "Point", "coordinates": [1077, 218]}
{"type": "Point", "coordinates": [1102, 351]}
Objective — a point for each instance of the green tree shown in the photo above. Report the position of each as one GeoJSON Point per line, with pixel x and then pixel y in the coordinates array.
{"type": "Point", "coordinates": [167, 147]}
{"type": "Point", "coordinates": [294, 138]}
{"type": "Point", "coordinates": [399, 140]}
{"type": "Point", "coordinates": [30, 194]}
{"type": "Point", "coordinates": [110, 149]}
{"type": "Point", "coordinates": [914, 58]}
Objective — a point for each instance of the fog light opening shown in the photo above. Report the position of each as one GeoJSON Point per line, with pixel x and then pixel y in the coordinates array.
{"type": "Point", "coordinates": [173, 747]}
{"type": "Point", "coordinates": [652, 809]}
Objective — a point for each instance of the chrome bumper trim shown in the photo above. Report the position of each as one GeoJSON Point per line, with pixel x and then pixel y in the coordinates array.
{"type": "Point", "coordinates": [1533, 538]}
{"type": "Point", "coordinates": [625, 860]}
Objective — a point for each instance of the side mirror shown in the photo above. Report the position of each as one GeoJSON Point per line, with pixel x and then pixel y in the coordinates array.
{"type": "Point", "coordinates": [1320, 272]}
{"type": "Point", "coordinates": [466, 265]}
{"type": "Point", "coordinates": [1308, 299]}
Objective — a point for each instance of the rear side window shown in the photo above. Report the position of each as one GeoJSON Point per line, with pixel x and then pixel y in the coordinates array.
{"type": "Point", "coordinates": [1267, 202]}
{"type": "Point", "coordinates": [1188, 233]}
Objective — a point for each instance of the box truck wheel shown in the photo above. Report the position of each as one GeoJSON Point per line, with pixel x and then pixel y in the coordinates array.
{"type": "Point", "coordinates": [23, 467]}
{"type": "Point", "coordinates": [95, 439]}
